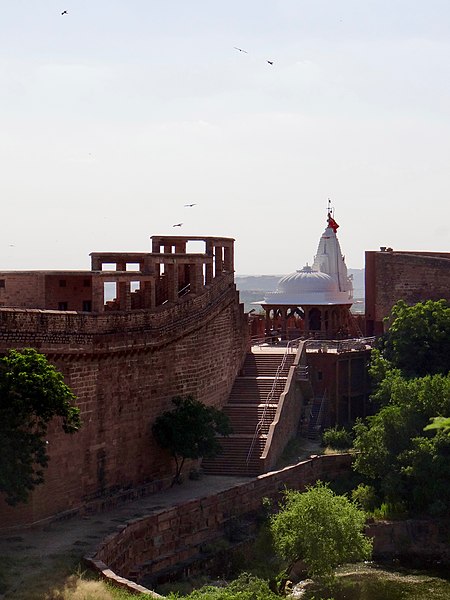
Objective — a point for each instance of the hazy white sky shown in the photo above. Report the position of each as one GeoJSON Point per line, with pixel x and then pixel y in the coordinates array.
{"type": "Point", "coordinates": [114, 116]}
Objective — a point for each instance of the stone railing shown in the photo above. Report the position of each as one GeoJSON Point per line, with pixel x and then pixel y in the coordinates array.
{"type": "Point", "coordinates": [287, 418]}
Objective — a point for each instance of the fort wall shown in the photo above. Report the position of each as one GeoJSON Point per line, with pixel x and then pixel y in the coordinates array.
{"type": "Point", "coordinates": [124, 369]}
{"type": "Point", "coordinates": [410, 276]}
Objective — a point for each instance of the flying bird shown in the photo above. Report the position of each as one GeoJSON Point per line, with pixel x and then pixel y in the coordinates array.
{"type": "Point", "coordinates": [270, 62]}
{"type": "Point", "coordinates": [64, 12]}
{"type": "Point", "coordinates": [190, 205]}
{"type": "Point", "coordinates": [240, 49]}
{"type": "Point", "coordinates": [177, 225]}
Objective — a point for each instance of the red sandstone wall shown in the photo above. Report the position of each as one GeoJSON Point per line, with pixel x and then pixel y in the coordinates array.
{"type": "Point", "coordinates": [123, 382]}
{"type": "Point", "coordinates": [22, 289]}
{"type": "Point", "coordinates": [343, 378]}
{"type": "Point", "coordinates": [162, 540]}
{"type": "Point", "coordinates": [409, 276]}
{"type": "Point", "coordinates": [76, 290]}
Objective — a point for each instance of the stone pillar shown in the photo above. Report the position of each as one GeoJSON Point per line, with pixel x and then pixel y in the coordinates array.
{"type": "Point", "coordinates": [149, 294]}
{"type": "Point", "coordinates": [218, 261]}
{"type": "Point", "coordinates": [96, 263]}
{"type": "Point", "coordinates": [284, 310]}
{"type": "Point", "coordinates": [322, 321]}
{"type": "Point", "coordinates": [196, 278]}
{"type": "Point", "coordinates": [156, 246]}
{"type": "Point", "coordinates": [167, 249]}
{"type": "Point", "coordinates": [180, 248]}
{"type": "Point", "coordinates": [307, 331]}
{"type": "Point", "coordinates": [268, 326]}
{"type": "Point", "coordinates": [124, 295]}
{"type": "Point", "coordinates": [172, 282]}
{"type": "Point", "coordinates": [228, 259]}
{"type": "Point", "coordinates": [98, 297]}
{"type": "Point", "coordinates": [121, 265]}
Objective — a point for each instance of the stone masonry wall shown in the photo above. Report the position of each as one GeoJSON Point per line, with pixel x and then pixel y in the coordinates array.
{"type": "Point", "coordinates": [409, 276]}
{"type": "Point", "coordinates": [156, 543]}
{"type": "Point", "coordinates": [123, 381]}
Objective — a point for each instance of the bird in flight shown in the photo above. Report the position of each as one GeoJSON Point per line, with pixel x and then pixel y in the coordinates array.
{"type": "Point", "coordinates": [240, 49]}
{"type": "Point", "coordinates": [190, 205]}
{"type": "Point", "coordinates": [270, 62]}
{"type": "Point", "coordinates": [177, 225]}
{"type": "Point", "coordinates": [64, 12]}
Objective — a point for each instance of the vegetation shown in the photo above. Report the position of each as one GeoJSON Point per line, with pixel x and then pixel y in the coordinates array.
{"type": "Point", "coordinates": [190, 431]}
{"type": "Point", "coordinates": [32, 393]}
{"type": "Point", "coordinates": [245, 587]}
{"type": "Point", "coordinates": [418, 338]}
{"type": "Point", "coordinates": [321, 528]}
{"type": "Point", "coordinates": [337, 438]}
{"type": "Point", "coordinates": [398, 453]}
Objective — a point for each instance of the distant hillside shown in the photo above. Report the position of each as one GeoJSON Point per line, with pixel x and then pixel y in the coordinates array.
{"type": "Point", "coordinates": [253, 287]}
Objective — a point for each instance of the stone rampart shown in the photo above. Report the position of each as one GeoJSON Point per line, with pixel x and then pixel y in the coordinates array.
{"type": "Point", "coordinates": [125, 369]}
{"type": "Point", "coordinates": [410, 276]}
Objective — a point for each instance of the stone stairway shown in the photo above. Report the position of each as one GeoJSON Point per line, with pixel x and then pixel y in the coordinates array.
{"type": "Point", "coordinates": [314, 431]}
{"type": "Point", "coordinates": [245, 408]}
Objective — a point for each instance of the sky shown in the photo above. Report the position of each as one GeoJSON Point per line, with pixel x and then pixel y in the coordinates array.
{"type": "Point", "coordinates": [117, 114]}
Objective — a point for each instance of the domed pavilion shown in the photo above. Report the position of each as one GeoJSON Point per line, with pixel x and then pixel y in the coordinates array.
{"type": "Point", "coordinates": [314, 302]}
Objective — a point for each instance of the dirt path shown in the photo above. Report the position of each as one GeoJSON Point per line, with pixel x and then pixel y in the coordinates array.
{"type": "Point", "coordinates": [38, 559]}
{"type": "Point", "coordinates": [52, 551]}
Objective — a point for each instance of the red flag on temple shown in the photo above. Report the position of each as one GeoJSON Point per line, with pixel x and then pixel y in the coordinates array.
{"type": "Point", "coordinates": [332, 223]}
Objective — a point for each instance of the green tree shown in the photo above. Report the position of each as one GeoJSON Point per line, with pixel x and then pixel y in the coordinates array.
{"type": "Point", "coordinates": [442, 423]}
{"type": "Point", "coordinates": [32, 393]}
{"type": "Point", "coordinates": [418, 339]}
{"type": "Point", "coordinates": [321, 528]}
{"type": "Point", "coordinates": [190, 431]}
{"type": "Point", "coordinates": [394, 452]}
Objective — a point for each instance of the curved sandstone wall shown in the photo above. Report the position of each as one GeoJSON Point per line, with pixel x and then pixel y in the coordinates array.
{"type": "Point", "coordinates": [124, 374]}
{"type": "Point", "coordinates": [147, 547]}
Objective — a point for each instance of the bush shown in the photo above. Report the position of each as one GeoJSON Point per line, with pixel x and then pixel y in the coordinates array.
{"type": "Point", "coordinates": [245, 587]}
{"type": "Point", "coordinates": [338, 438]}
{"type": "Point", "coordinates": [320, 528]}
{"type": "Point", "coordinates": [365, 496]}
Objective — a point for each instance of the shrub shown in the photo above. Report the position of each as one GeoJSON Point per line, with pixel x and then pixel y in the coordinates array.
{"type": "Point", "coordinates": [365, 496]}
{"type": "Point", "coordinates": [338, 438]}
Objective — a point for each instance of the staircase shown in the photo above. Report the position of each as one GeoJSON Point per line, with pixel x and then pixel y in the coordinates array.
{"type": "Point", "coordinates": [316, 418]}
{"type": "Point", "coordinates": [246, 408]}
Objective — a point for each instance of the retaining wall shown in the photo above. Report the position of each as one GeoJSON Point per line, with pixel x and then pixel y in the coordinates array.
{"type": "Point", "coordinates": [157, 543]}
{"type": "Point", "coordinates": [123, 381]}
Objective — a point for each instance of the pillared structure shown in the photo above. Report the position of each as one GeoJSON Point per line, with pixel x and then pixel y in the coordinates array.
{"type": "Point", "coordinates": [314, 301]}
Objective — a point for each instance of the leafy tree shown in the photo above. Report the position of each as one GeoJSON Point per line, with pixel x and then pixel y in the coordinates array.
{"type": "Point", "coordinates": [442, 423]}
{"type": "Point", "coordinates": [321, 528]}
{"type": "Point", "coordinates": [418, 339]}
{"type": "Point", "coordinates": [32, 393]}
{"type": "Point", "coordinates": [190, 431]}
{"type": "Point", "coordinates": [394, 452]}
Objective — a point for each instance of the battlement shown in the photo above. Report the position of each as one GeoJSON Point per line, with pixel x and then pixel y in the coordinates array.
{"type": "Point", "coordinates": [135, 280]}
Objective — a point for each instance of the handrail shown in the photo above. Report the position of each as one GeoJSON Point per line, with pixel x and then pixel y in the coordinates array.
{"type": "Point", "coordinates": [270, 395]}
{"type": "Point", "coordinates": [340, 345]}
{"type": "Point", "coordinates": [184, 290]}
{"type": "Point", "coordinates": [319, 414]}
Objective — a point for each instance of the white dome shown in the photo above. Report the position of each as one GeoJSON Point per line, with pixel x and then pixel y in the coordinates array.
{"type": "Point", "coordinates": [307, 287]}
{"type": "Point", "coordinates": [307, 281]}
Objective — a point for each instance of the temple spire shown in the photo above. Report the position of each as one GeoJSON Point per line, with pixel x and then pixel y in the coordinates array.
{"type": "Point", "coordinates": [330, 220]}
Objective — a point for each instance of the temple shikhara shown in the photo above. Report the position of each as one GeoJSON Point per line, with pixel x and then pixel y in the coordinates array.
{"type": "Point", "coordinates": [314, 301]}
